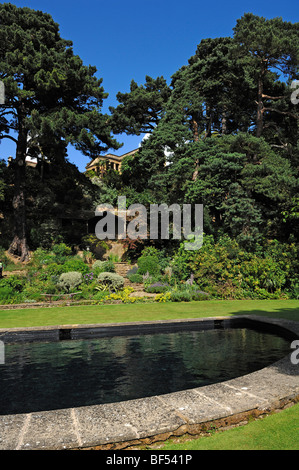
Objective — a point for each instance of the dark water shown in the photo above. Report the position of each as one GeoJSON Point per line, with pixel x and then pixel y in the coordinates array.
{"type": "Point", "coordinates": [47, 376]}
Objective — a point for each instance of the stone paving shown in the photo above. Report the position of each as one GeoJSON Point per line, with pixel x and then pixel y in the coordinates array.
{"type": "Point", "coordinates": [128, 423]}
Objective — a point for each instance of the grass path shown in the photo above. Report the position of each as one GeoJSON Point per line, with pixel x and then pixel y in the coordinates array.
{"type": "Point", "coordinates": [145, 312]}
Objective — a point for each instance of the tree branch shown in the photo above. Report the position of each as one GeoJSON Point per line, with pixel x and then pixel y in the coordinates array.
{"type": "Point", "coordinates": [286, 113]}
{"type": "Point", "coordinates": [272, 97]}
{"type": "Point", "coordinates": [8, 137]}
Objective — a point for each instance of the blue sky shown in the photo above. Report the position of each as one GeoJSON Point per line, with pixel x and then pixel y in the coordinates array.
{"type": "Point", "coordinates": [130, 39]}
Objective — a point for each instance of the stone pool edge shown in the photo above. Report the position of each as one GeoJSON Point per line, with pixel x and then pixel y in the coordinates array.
{"type": "Point", "coordinates": [147, 420]}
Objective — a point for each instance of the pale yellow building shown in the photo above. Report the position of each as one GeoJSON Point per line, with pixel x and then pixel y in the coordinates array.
{"type": "Point", "coordinates": [109, 161]}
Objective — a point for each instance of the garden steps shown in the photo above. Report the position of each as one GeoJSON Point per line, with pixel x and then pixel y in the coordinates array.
{"type": "Point", "coordinates": [122, 269]}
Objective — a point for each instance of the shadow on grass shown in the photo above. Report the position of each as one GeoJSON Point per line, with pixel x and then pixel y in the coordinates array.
{"type": "Point", "coordinates": [283, 313]}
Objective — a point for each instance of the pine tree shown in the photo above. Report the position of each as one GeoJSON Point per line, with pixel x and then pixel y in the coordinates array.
{"type": "Point", "coordinates": [50, 95]}
{"type": "Point", "coordinates": [271, 47]}
{"type": "Point", "coordinates": [141, 109]}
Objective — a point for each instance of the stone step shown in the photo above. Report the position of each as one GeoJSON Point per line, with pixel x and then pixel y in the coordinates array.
{"type": "Point", "coordinates": [122, 268]}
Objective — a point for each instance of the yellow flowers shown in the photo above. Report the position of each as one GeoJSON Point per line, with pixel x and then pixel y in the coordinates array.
{"type": "Point", "coordinates": [163, 297]}
{"type": "Point", "coordinates": [123, 296]}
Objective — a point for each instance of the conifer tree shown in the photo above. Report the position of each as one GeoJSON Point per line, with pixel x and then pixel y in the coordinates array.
{"type": "Point", "coordinates": [140, 110]}
{"type": "Point", "coordinates": [272, 49]}
{"type": "Point", "coordinates": [49, 95]}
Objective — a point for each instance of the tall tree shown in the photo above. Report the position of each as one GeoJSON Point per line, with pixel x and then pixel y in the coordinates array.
{"type": "Point", "coordinates": [216, 71]}
{"type": "Point", "coordinates": [49, 94]}
{"type": "Point", "coordinates": [272, 48]}
{"type": "Point", "coordinates": [141, 109]}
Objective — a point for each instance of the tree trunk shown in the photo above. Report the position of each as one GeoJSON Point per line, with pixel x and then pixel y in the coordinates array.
{"type": "Point", "coordinates": [19, 246]}
{"type": "Point", "coordinates": [195, 130]}
{"type": "Point", "coordinates": [260, 103]}
{"type": "Point", "coordinates": [195, 138]}
{"type": "Point", "coordinates": [209, 117]}
{"type": "Point", "coordinates": [224, 121]}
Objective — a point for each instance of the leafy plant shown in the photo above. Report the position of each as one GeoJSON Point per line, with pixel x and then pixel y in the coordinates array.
{"type": "Point", "coordinates": [7, 295]}
{"type": "Point", "coordinates": [70, 281]}
{"type": "Point", "coordinates": [166, 297]}
{"type": "Point", "coordinates": [14, 282]}
{"type": "Point", "coordinates": [75, 264]}
{"type": "Point", "coordinates": [61, 250]}
{"type": "Point", "coordinates": [135, 278]}
{"type": "Point", "coordinates": [112, 280]}
{"type": "Point", "coordinates": [157, 287]}
{"type": "Point", "coordinates": [123, 296]}
{"type": "Point", "coordinates": [148, 263]}
{"type": "Point", "coordinates": [103, 267]}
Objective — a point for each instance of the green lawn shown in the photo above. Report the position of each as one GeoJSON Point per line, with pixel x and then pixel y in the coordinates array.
{"type": "Point", "coordinates": [278, 431]}
{"type": "Point", "coordinates": [74, 315]}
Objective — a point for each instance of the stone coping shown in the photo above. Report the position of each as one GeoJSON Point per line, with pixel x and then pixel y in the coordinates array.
{"type": "Point", "coordinates": [146, 420]}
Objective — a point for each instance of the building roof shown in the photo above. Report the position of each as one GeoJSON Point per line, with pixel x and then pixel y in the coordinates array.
{"type": "Point", "coordinates": [110, 156]}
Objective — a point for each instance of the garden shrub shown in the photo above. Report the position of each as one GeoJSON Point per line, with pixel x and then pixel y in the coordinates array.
{"type": "Point", "coordinates": [34, 291]}
{"type": "Point", "coordinates": [166, 297]}
{"type": "Point", "coordinates": [88, 278]}
{"type": "Point", "coordinates": [62, 250]}
{"type": "Point", "coordinates": [13, 282]}
{"type": "Point", "coordinates": [148, 263]}
{"type": "Point", "coordinates": [42, 257]}
{"type": "Point", "coordinates": [75, 264]}
{"type": "Point", "coordinates": [180, 296]}
{"type": "Point", "coordinates": [97, 247]}
{"type": "Point", "coordinates": [51, 271]}
{"type": "Point", "coordinates": [136, 278]}
{"type": "Point", "coordinates": [112, 280]}
{"type": "Point", "coordinates": [70, 281]}
{"type": "Point", "coordinates": [7, 295]}
{"type": "Point", "coordinates": [227, 271]}
{"type": "Point", "coordinates": [157, 288]}
{"type": "Point", "coordinates": [199, 295]}
{"type": "Point", "coordinates": [123, 296]}
{"type": "Point", "coordinates": [132, 271]}
{"type": "Point", "coordinates": [103, 267]}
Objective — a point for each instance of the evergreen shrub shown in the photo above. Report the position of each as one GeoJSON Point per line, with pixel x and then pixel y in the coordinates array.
{"type": "Point", "coordinates": [112, 280]}
{"type": "Point", "coordinates": [70, 281]}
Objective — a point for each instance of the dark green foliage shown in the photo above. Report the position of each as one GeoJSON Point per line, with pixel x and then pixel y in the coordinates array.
{"type": "Point", "coordinates": [135, 278]}
{"type": "Point", "coordinates": [148, 263]}
{"type": "Point", "coordinates": [52, 100]}
{"type": "Point", "coordinates": [157, 288]}
{"type": "Point", "coordinates": [141, 109]}
{"type": "Point", "coordinates": [13, 282]}
{"type": "Point", "coordinates": [225, 270]}
{"type": "Point", "coordinates": [102, 267]}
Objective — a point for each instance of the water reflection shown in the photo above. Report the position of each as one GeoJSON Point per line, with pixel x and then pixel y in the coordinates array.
{"type": "Point", "coordinates": [47, 376]}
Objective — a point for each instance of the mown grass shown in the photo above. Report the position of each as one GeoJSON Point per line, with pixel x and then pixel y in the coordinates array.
{"type": "Point", "coordinates": [83, 314]}
{"type": "Point", "coordinates": [279, 431]}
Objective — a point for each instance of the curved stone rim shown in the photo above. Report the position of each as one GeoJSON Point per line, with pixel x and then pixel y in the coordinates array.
{"type": "Point", "coordinates": [118, 425]}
